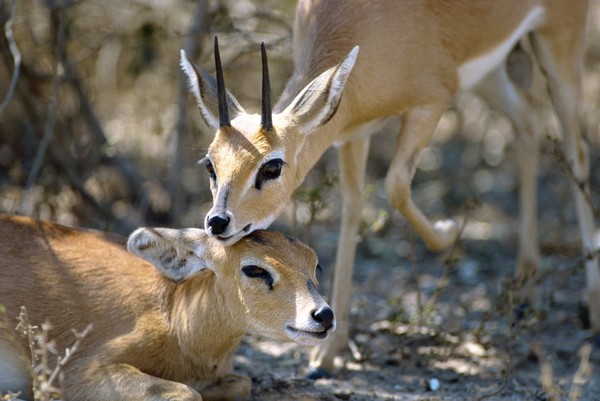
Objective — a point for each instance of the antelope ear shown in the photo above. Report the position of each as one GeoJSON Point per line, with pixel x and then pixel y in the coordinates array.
{"type": "Point", "coordinates": [319, 100]}
{"type": "Point", "coordinates": [177, 254]}
{"type": "Point", "coordinates": [204, 88]}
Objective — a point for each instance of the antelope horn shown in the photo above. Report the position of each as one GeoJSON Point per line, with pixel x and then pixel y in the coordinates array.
{"type": "Point", "coordinates": [265, 106]}
{"type": "Point", "coordinates": [221, 93]}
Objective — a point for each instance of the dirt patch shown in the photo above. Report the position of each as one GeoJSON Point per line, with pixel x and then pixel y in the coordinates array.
{"type": "Point", "coordinates": [466, 346]}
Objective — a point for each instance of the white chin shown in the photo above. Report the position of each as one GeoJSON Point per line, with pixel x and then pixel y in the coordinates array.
{"type": "Point", "coordinates": [306, 337]}
{"type": "Point", "coordinates": [231, 239]}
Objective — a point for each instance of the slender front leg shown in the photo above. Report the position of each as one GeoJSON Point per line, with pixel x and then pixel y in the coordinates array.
{"type": "Point", "coordinates": [417, 129]}
{"type": "Point", "coordinates": [352, 162]}
{"type": "Point", "coordinates": [125, 383]}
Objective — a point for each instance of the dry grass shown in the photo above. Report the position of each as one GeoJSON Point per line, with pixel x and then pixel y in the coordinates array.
{"type": "Point", "coordinates": [47, 362]}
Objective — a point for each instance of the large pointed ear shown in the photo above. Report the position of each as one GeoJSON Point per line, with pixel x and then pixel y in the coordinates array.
{"type": "Point", "coordinates": [204, 88]}
{"type": "Point", "coordinates": [319, 100]}
{"type": "Point", "coordinates": [178, 254]}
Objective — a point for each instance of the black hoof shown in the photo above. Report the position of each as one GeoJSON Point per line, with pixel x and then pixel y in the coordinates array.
{"type": "Point", "coordinates": [318, 373]}
{"type": "Point", "coordinates": [584, 315]}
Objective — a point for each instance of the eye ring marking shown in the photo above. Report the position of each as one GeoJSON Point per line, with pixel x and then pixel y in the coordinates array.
{"type": "Point", "coordinates": [269, 171]}
{"type": "Point", "coordinates": [253, 271]}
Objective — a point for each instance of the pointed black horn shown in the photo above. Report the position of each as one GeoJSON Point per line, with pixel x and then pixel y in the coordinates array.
{"type": "Point", "coordinates": [221, 93]}
{"type": "Point", "coordinates": [265, 106]}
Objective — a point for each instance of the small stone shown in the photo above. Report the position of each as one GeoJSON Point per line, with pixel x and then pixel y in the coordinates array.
{"type": "Point", "coordinates": [433, 384]}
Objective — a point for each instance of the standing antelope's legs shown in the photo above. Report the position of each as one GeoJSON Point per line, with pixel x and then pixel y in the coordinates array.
{"type": "Point", "coordinates": [502, 94]}
{"type": "Point", "coordinates": [352, 162]}
{"type": "Point", "coordinates": [418, 126]}
{"type": "Point", "coordinates": [561, 59]}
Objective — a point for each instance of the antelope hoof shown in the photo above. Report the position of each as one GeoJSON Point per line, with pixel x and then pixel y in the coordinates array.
{"type": "Point", "coordinates": [446, 232]}
{"type": "Point", "coordinates": [317, 373]}
{"type": "Point", "coordinates": [583, 313]}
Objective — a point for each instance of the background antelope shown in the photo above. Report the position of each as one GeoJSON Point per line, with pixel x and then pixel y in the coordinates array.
{"type": "Point", "coordinates": [413, 58]}
{"type": "Point", "coordinates": [162, 334]}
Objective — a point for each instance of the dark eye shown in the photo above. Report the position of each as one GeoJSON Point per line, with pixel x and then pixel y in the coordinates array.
{"type": "Point", "coordinates": [318, 271]}
{"type": "Point", "coordinates": [269, 171]}
{"type": "Point", "coordinates": [259, 273]}
{"type": "Point", "coordinates": [211, 170]}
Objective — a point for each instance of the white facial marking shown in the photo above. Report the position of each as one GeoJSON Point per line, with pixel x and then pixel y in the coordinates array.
{"type": "Point", "coordinates": [276, 154]}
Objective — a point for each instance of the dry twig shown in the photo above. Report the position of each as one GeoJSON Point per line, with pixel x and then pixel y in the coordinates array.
{"type": "Point", "coordinates": [47, 380]}
{"type": "Point", "coordinates": [583, 373]}
{"type": "Point", "coordinates": [50, 121]}
{"type": "Point", "coordinates": [191, 46]}
{"type": "Point", "coordinates": [15, 54]}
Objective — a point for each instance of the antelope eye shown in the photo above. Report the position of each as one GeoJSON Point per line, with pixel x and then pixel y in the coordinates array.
{"type": "Point", "coordinates": [256, 272]}
{"type": "Point", "coordinates": [269, 171]}
{"type": "Point", "coordinates": [318, 273]}
{"type": "Point", "coordinates": [211, 170]}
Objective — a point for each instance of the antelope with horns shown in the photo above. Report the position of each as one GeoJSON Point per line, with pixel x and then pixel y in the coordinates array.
{"type": "Point", "coordinates": [414, 57]}
{"type": "Point", "coordinates": [162, 332]}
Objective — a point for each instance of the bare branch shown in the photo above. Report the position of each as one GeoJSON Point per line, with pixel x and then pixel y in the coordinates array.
{"type": "Point", "coordinates": [15, 54]}
{"type": "Point", "coordinates": [582, 185]}
{"type": "Point", "coordinates": [62, 361]}
{"type": "Point", "coordinates": [583, 372]}
{"type": "Point", "coordinates": [192, 47]}
{"type": "Point", "coordinates": [42, 349]}
{"type": "Point", "coordinates": [51, 120]}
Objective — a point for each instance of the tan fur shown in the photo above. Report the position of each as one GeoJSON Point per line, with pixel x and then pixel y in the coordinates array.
{"type": "Point", "coordinates": [412, 55]}
{"type": "Point", "coordinates": [152, 338]}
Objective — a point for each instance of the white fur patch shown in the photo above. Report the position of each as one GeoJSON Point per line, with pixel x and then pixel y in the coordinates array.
{"type": "Point", "coordinates": [194, 87]}
{"type": "Point", "coordinates": [337, 87]}
{"type": "Point", "coordinates": [471, 72]}
{"type": "Point", "coordinates": [178, 254]}
{"type": "Point", "coordinates": [306, 100]}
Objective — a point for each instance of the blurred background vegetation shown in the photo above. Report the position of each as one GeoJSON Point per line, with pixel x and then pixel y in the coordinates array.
{"type": "Point", "coordinates": [101, 131]}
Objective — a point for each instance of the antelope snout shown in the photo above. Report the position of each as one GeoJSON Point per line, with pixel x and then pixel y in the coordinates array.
{"type": "Point", "coordinates": [217, 224]}
{"type": "Point", "coordinates": [324, 316]}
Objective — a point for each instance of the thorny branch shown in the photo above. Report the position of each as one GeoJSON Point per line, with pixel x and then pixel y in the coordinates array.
{"type": "Point", "coordinates": [582, 185]}
{"type": "Point", "coordinates": [8, 34]}
{"type": "Point", "coordinates": [192, 46]}
{"type": "Point", "coordinates": [583, 372]}
{"type": "Point", "coordinates": [52, 114]}
{"type": "Point", "coordinates": [47, 381]}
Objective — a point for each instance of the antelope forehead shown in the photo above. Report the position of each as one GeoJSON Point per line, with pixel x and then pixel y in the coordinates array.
{"type": "Point", "coordinates": [238, 150]}
{"type": "Point", "coordinates": [247, 124]}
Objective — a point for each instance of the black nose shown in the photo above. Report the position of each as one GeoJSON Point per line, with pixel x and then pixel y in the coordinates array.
{"type": "Point", "coordinates": [324, 315]}
{"type": "Point", "coordinates": [218, 224]}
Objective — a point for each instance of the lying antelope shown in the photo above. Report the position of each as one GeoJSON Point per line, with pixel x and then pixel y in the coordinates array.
{"type": "Point", "coordinates": [158, 334]}
{"type": "Point", "coordinates": [414, 57]}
